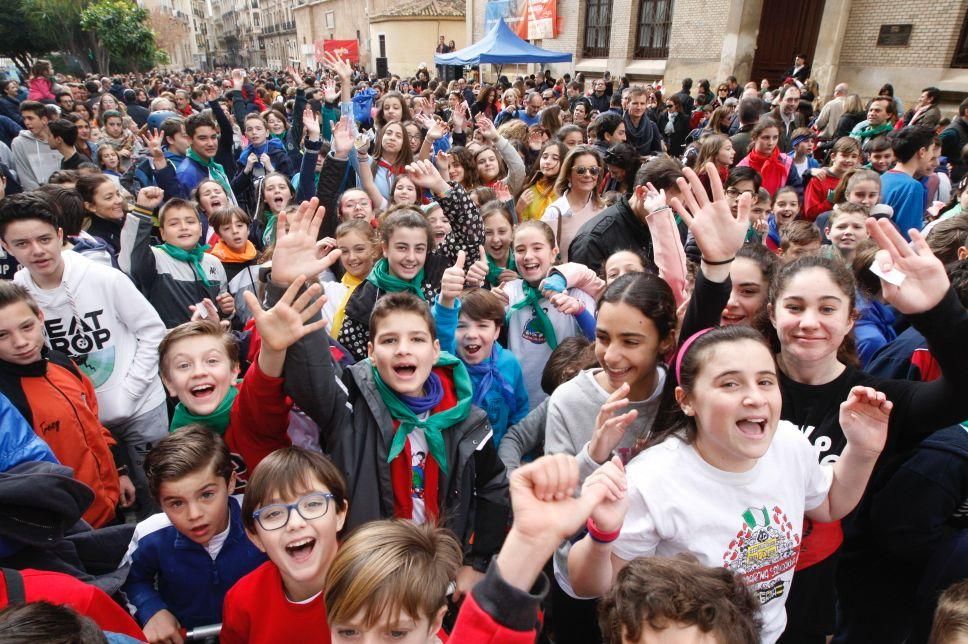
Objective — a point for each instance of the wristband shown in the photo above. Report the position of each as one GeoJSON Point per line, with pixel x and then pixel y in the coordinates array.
{"type": "Point", "coordinates": [720, 263]}
{"type": "Point", "coordinates": [123, 470]}
{"type": "Point", "coordinates": [446, 193]}
{"type": "Point", "coordinates": [601, 537]}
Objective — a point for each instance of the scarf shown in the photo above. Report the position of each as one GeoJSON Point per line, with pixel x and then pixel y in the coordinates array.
{"type": "Point", "coordinates": [771, 168]}
{"type": "Point", "coordinates": [405, 409]}
{"type": "Point", "coordinates": [350, 283]}
{"type": "Point", "coordinates": [269, 233]}
{"type": "Point", "coordinates": [193, 257]}
{"type": "Point", "coordinates": [383, 279]}
{"type": "Point", "coordinates": [228, 256]}
{"type": "Point", "coordinates": [217, 421]}
{"type": "Point", "coordinates": [271, 144]}
{"type": "Point", "coordinates": [215, 172]}
{"type": "Point", "coordinates": [873, 131]}
{"type": "Point", "coordinates": [490, 377]}
{"type": "Point", "coordinates": [532, 297]}
{"type": "Point", "coordinates": [641, 134]}
{"type": "Point", "coordinates": [494, 271]}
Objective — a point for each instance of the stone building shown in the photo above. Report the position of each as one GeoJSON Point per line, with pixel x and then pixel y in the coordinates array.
{"type": "Point", "coordinates": [865, 43]}
{"type": "Point", "coordinates": [407, 34]}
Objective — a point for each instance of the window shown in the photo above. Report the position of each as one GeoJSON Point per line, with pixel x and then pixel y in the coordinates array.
{"type": "Point", "coordinates": [330, 19]}
{"type": "Point", "coordinates": [655, 22]}
{"type": "Point", "coordinates": [961, 49]}
{"type": "Point", "coordinates": [598, 19]}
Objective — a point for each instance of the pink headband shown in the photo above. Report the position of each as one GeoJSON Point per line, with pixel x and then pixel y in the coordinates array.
{"type": "Point", "coordinates": [685, 347]}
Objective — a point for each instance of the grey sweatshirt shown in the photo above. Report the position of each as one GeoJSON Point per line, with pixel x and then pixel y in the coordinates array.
{"type": "Point", "coordinates": [33, 160]}
{"type": "Point", "coordinates": [573, 408]}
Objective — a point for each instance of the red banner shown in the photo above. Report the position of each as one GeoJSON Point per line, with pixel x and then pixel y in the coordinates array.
{"type": "Point", "coordinates": [348, 50]}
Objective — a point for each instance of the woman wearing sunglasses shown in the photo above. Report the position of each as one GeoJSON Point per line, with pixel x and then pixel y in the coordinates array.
{"type": "Point", "coordinates": [580, 200]}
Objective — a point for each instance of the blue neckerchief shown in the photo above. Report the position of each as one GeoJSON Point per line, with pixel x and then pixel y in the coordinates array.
{"type": "Point", "coordinates": [423, 404]}
{"type": "Point", "coordinates": [490, 376]}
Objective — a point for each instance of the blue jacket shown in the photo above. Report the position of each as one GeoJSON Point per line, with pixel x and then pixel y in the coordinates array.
{"type": "Point", "coordinates": [499, 413]}
{"type": "Point", "coordinates": [143, 174]}
{"type": "Point", "coordinates": [873, 329]}
{"type": "Point", "coordinates": [170, 571]}
{"type": "Point", "coordinates": [18, 441]}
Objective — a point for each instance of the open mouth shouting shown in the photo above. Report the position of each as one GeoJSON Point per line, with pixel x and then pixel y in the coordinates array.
{"type": "Point", "coordinates": [753, 427]}
{"type": "Point", "coordinates": [301, 549]}
{"type": "Point", "coordinates": [201, 393]}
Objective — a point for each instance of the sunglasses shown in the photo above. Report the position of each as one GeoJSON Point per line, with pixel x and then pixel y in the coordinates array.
{"type": "Point", "coordinates": [581, 171]}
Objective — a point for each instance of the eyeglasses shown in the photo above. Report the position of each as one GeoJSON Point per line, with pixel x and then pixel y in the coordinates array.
{"type": "Point", "coordinates": [733, 192]}
{"type": "Point", "coordinates": [312, 506]}
{"type": "Point", "coordinates": [581, 171]}
{"type": "Point", "coordinates": [548, 98]}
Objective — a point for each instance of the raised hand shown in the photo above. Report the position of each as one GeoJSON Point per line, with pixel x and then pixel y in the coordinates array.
{"type": "Point", "coordinates": [226, 304]}
{"type": "Point", "coordinates": [609, 485]}
{"type": "Point", "coordinates": [310, 124]}
{"type": "Point", "coordinates": [207, 310]}
{"type": "Point", "coordinates": [610, 425]}
{"type": "Point", "coordinates": [501, 293]}
{"type": "Point", "coordinates": [212, 92]}
{"type": "Point", "coordinates": [459, 117]}
{"type": "Point", "coordinates": [297, 252]}
{"type": "Point", "coordinates": [442, 162]}
{"type": "Point", "coordinates": [153, 141]}
{"type": "Point", "coordinates": [925, 283]}
{"type": "Point", "coordinates": [343, 138]}
{"type": "Point", "coordinates": [425, 175]}
{"type": "Point", "coordinates": [266, 162]}
{"type": "Point", "coordinates": [238, 78]}
{"type": "Point", "coordinates": [338, 65]}
{"type": "Point", "coordinates": [718, 234]}
{"type": "Point", "coordinates": [864, 417]}
{"type": "Point", "coordinates": [452, 281]}
{"type": "Point", "coordinates": [330, 93]}
{"type": "Point", "coordinates": [486, 126]}
{"type": "Point", "coordinates": [285, 323]}
{"type": "Point", "coordinates": [477, 273]}
{"type": "Point", "coordinates": [150, 197]}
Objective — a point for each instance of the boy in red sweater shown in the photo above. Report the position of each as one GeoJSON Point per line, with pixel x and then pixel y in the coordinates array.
{"type": "Point", "coordinates": [200, 364]}
{"type": "Point", "coordinates": [816, 197]}
{"type": "Point", "coordinates": [294, 507]}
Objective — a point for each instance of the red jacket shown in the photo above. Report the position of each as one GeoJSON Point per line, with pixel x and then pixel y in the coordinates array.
{"type": "Point", "coordinates": [815, 200]}
{"type": "Point", "coordinates": [259, 418]}
{"type": "Point", "coordinates": [58, 588]}
{"type": "Point", "coordinates": [60, 404]}
{"type": "Point", "coordinates": [497, 613]}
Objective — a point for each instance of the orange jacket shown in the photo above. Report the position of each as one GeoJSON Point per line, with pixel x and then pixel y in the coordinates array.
{"type": "Point", "coordinates": [59, 403]}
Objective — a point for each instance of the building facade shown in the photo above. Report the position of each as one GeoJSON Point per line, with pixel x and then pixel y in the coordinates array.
{"type": "Point", "coordinates": [319, 20]}
{"type": "Point", "coordinates": [865, 43]}
{"type": "Point", "coordinates": [278, 33]}
{"type": "Point", "coordinates": [406, 35]}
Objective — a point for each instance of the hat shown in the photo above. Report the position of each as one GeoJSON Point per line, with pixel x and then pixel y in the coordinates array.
{"type": "Point", "coordinates": [422, 66]}
{"type": "Point", "coordinates": [40, 502]}
{"type": "Point", "coordinates": [155, 119]}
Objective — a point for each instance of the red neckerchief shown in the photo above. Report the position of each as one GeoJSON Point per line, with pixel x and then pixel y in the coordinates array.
{"type": "Point", "coordinates": [392, 169]}
{"type": "Point", "coordinates": [401, 472]}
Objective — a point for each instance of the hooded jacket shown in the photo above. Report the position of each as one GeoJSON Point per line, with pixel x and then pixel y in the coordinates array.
{"type": "Point", "coordinates": [18, 442]}
{"type": "Point", "coordinates": [356, 430]}
{"type": "Point", "coordinates": [59, 402]}
{"type": "Point", "coordinates": [34, 160]}
{"type": "Point", "coordinates": [98, 317]}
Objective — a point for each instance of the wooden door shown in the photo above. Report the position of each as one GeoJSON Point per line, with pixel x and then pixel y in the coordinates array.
{"type": "Point", "coordinates": [786, 28]}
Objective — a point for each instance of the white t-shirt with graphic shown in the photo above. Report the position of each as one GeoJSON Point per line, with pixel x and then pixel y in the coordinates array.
{"type": "Point", "coordinates": [750, 523]}
{"type": "Point", "coordinates": [418, 459]}
{"type": "Point", "coordinates": [528, 343]}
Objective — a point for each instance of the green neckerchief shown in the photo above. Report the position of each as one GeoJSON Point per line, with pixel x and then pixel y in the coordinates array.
{"type": "Point", "coordinates": [874, 131]}
{"type": "Point", "coordinates": [215, 172]}
{"type": "Point", "coordinates": [193, 257]}
{"type": "Point", "coordinates": [269, 234]}
{"type": "Point", "coordinates": [532, 297]}
{"type": "Point", "coordinates": [494, 271]}
{"type": "Point", "coordinates": [435, 424]}
{"type": "Point", "coordinates": [217, 421]}
{"type": "Point", "coordinates": [383, 279]}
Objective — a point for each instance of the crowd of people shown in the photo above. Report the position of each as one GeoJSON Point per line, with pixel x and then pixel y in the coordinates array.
{"type": "Point", "coordinates": [314, 356]}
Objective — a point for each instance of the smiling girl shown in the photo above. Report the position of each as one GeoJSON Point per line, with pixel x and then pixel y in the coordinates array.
{"type": "Point", "coordinates": [391, 155]}
{"type": "Point", "coordinates": [359, 250]}
{"type": "Point", "coordinates": [104, 206]}
{"type": "Point", "coordinates": [498, 238]}
{"type": "Point", "coordinates": [765, 157]}
{"type": "Point", "coordinates": [730, 436]}
{"type": "Point", "coordinates": [540, 192]}
{"type": "Point", "coordinates": [786, 208]}
{"type": "Point", "coordinates": [535, 323]}
{"type": "Point", "coordinates": [499, 166]}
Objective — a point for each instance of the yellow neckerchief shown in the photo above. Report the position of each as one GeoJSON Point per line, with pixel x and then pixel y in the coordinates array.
{"type": "Point", "coordinates": [350, 283]}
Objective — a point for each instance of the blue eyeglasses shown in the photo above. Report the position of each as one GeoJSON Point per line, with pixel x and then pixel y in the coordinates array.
{"type": "Point", "coordinates": [276, 515]}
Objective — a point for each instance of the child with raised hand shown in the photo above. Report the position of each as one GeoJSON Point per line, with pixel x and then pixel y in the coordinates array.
{"type": "Point", "coordinates": [178, 273]}
{"type": "Point", "coordinates": [411, 262]}
{"type": "Point", "coordinates": [182, 561]}
{"type": "Point", "coordinates": [238, 255]}
{"type": "Point", "coordinates": [408, 406]}
{"type": "Point", "coordinates": [730, 435]}
{"type": "Point", "coordinates": [536, 323]}
{"type": "Point", "coordinates": [295, 505]}
{"type": "Point", "coordinates": [469, 328]}
{"type": "Point", "coordinates": [200, 364]}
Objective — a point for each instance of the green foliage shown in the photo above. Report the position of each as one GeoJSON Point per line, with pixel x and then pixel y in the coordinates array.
{"type": "Point", "coordinates": [21, 38]}
{"type": "Point", "coordinates": [121, 28]}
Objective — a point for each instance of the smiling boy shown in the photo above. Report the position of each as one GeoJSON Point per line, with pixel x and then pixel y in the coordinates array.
{"type": "Point", "coordinates": [408, 397]}
{"type": "Point", "coordinates": [178, 273]}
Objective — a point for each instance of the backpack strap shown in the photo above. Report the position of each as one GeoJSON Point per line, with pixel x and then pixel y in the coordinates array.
{"type": "Point", "coordinates": [15, 586]}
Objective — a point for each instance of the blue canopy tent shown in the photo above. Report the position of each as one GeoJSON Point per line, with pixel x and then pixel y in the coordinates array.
{"type": "Point", "coordinates": [501, 46]}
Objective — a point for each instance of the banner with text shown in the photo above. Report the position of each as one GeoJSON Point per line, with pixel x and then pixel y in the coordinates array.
{"type": "Point", "coordinates": [348, 50]}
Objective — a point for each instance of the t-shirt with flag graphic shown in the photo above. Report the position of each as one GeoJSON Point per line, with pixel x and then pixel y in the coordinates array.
{"type": "Point", "coordinates": [749, 522]}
